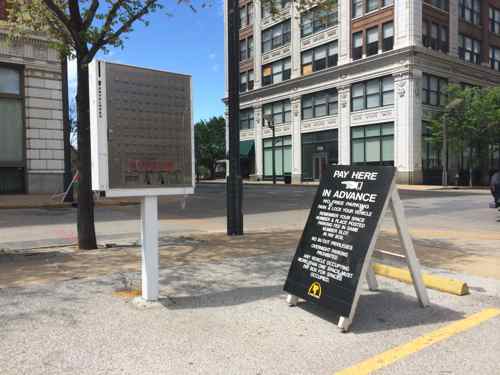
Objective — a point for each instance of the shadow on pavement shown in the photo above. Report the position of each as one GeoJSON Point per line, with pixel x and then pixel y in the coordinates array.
{"type": "Point", "coordinates": [232, 297]}
{"type": "Point", "coordinates": [387, 310]}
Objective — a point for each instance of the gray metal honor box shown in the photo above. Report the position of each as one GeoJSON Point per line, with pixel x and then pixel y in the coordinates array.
{"type": "Point", "coordinates": [141, 131]}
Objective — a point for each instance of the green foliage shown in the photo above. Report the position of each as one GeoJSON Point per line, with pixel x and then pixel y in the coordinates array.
{"type": "Point", "coordinates": [472, 116]}
{"type": "Point", "coordinates": [79, 26]}
{"type": "Point", "coordinates": [210, 141]}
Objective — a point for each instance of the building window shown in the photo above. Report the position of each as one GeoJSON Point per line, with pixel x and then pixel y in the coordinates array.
{"type": "Point", "coordinates": [318, 104]}
{"type": "Point", "coordinates": [495, 58]}
{"type": "Point", "coordinates": [281, 111]}
{"type": "Point", "coordinates": [434, 90]}
{"type": "Point", "coordinates": [246, 48]}
{"type": "Point", "coordinates": [441, 4]}
{"type": "Point", "coordinates": [282, 156]}
{"type": "Point", "coordinates": [470, 11]}
{"type": "Point", "coordinates": [494, 20]}
{"type": "Point", "coordinates": [276, 36]}
{"type": "Point", "coordinates": [277, 5]}
{"type": "Point", "coordinates": [435, 36]}
{"type": "Point", "coordinates": [372, 41]}
{"type": "Point", "coordinates": [319, 58]}
{"type": "Point", "coordinates": [373, 144]}
{"type": "Point", "coordinates": [469, 49]}
{"type": "Point", "coordinates": [246, 15]}
{"type": "Point", "coordinates": [319, 150]}
{"type": "Point", "coordinates": [374, 93]}
{"type": "Point", "coordinates": [246, 81]}
{"type": "Point", "coordinates": [317, 19]}
{"type": "Point", "coordinates": [357, 45]}
{"type": "Point", "coordinates": [246, 119]}
{"type": "Point", "coordinates": [431, 155]}
{"type": "Point", "coordinates": [357, 8]}
{"type": "Point", "coordinates": [276, 72]}
{"type": "Point", "coordinates": [387, 36]}
{"type": "Point", "coordinates": [360, 7]}
{"type": "Point", "coordinates": [12, 132]}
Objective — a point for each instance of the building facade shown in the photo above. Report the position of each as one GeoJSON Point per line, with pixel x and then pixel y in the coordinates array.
{"type": "Point", "coordinates": [32, 81]}
{"type": "Point", "coordinates": [357, 84]}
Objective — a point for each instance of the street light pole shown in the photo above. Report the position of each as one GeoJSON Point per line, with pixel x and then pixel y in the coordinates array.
{"type": "Point", "coordinates": [234, 181]}
{"type": "Point", "coordinates": [444, 180]}
{"type": "Point", "coordinates": [268, 119]}
{"type": "Point", "coordinates": [274, 155]}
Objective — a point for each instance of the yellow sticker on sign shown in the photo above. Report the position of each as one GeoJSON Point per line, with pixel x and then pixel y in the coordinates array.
{"type": "Point", "coordinates": [315, 290]}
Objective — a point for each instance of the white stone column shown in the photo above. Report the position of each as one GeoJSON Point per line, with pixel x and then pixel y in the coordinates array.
{"type": "Point", "coordinates": [296, 142]}
{"type": "Point", "coordinates": [259, 160]}
{"type": "Point", "coordinates": [453, 29]}
{"type": "Point", "coordinates": [344, 41]}
{"type": "Point", "coordinates": [344, 119]}
{"type": "Point", "coordinates": [257, 45]}
{"type": "Point", "coordinates": [295, 41]}
{"type": "Point", "coordinates": [408, 126]}
{"type": "Point", "coordinates": [407, 23]}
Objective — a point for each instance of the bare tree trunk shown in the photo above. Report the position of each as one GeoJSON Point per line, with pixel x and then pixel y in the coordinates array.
{"type": "Point", "coordinates": [86, 229]}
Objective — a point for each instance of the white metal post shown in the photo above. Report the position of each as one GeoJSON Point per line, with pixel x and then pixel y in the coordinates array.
{"type": "Point", "coordinates": [404, 235]}
{"type": "Point", "coordinates": [150, 256]}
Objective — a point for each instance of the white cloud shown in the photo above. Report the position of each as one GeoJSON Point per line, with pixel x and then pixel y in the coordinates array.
{"type": "Point", "coordinates": [212, 56]}
{"type": "Point", "coordinates": [215, 67]}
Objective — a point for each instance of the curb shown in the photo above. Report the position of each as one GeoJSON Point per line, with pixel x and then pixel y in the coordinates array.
{"type": "Point", "coordinates": [64, 205]}
{"type": "Point", "coordinates": [443, 284]}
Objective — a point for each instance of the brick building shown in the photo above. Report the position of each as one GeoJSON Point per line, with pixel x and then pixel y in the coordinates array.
{"type": "Point", "coordinates": [32, 87]}
{"type": "Point", "coordinates": [358, 84]}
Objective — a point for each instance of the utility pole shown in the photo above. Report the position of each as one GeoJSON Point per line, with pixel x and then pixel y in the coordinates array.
{"type": "Point", "coordinates": [234, 190]}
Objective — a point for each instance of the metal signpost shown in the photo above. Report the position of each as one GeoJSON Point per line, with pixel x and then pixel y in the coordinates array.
{"type": "Point", "coordinates": [335, 252]}
{"type": "Point", "coordinates": [142, 145]}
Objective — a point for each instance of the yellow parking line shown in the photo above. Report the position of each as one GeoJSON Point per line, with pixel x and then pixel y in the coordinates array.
{"type": "Point", "coordinates": [399, 352]}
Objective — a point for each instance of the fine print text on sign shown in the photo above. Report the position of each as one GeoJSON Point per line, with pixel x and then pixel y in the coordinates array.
{"type": "Point", "coordinates": [333, 249]}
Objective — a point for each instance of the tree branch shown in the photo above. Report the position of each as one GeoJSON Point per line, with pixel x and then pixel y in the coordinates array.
{"type": "Point", "coordinates": [90, 14]}
{"type": "Point", "coordinates": [61, 16]}
{"type": "Point", "coordinates": [103, 40]}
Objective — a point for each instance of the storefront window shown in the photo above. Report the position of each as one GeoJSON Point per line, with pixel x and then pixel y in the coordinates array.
{"type": "Point", "coordinates": [373, 144]}
{"type": "Point", "coordinates": [318, 149]}
{"type": "Point", "coordinates": [11, 132]}
{"type": "Point", "coordinates": [282, 154]}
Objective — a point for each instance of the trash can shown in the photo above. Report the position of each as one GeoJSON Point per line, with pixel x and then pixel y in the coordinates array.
{"type": "Point", "coordinates": [288, 178]}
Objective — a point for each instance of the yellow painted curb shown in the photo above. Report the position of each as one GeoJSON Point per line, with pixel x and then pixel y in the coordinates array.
{"type": "Point", "coordinates": [440, 283]}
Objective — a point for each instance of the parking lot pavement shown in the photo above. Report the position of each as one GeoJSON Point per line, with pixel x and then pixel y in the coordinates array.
{"type": "Point", "coordinates": [229, 316]}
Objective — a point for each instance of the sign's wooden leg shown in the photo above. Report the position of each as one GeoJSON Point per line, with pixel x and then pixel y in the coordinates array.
{"type": "Point", "coordinates": [292, 300]}
{"type": "Point", "coordinates": [344, 323]}
{"type": "Point", "coordinates": [404, 235]}
{"type": "Point", "coordinates": [371, 279]}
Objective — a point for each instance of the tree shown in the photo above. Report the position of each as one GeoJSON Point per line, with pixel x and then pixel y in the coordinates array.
{"type": "Point", "coordinates": [81, 28]}
{"type": "Point", "coordinates": [210, 140]}
{"type": "Point", "coordinates": [473, 127]}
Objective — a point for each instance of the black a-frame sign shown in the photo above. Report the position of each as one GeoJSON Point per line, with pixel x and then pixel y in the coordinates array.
{"type": "Point", "coordinates": [335, 250]}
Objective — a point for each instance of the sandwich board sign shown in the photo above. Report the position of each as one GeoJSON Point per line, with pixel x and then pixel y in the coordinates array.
{"type": "Point", "coordinates": [141, 144]}
{"type": "Point", "coordinates": [334, 253]}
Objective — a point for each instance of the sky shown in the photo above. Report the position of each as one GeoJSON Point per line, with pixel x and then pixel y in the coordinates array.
{"type": "Point", "coordinates": [182, 42]}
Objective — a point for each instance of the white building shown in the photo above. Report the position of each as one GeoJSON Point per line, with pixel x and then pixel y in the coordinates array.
{"type": "Point", "coordinates": [356, 85]}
